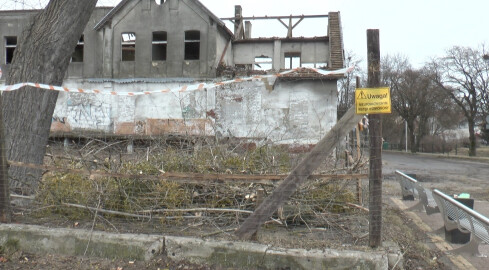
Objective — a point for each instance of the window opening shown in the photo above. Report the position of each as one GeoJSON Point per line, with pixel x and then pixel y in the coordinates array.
{"type": "Point", "coordinates": [262, 62]}
{"type": "Point", "coordinates": [292, 60]}
{"type": "Point", "coordinates": [159, 2]}
{"type": "Point", "coordinates": [10, 44]}
{"type": "Point", "coordinates": [78, 53]}
{"type": "Point", "coordinates": [159, 46]}
{"type": "Point", "coordinates": [192, 45]}
{"type": "Point", "coordinates": [128, 46]}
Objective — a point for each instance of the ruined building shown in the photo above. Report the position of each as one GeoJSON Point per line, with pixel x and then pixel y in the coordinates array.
{"type": "Point", "coordinates": [145, 45]}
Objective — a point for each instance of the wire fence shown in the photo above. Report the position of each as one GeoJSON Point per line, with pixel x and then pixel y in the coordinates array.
{"type": "Point", "coordinates": [169, 183]}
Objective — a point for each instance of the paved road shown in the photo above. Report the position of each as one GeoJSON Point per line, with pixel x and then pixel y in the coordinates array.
{"type": "Point", "coordinates": [452, 176]}
{"type": "Point", "coordinates": [449, 174]}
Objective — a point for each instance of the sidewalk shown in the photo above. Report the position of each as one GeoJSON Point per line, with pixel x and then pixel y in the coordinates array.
{"type": "Point", "coordinates": [433, 226]}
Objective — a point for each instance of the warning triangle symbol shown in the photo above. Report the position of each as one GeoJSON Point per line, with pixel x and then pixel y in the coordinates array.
{"type": "Point", "coordinates": [362, 95]}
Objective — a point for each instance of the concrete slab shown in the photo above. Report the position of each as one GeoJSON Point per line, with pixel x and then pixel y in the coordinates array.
{"type": "Point", "coordinates": [74, 242]}
{"type": "Point", "coordinates": [238, 255]}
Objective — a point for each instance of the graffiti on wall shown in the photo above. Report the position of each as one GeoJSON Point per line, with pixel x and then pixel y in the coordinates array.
{"type": "Point", "coordinates": [89, 116]}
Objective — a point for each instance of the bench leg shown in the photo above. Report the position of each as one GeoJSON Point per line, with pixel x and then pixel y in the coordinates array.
{"type": "Point", "coordinates": [472, 248]}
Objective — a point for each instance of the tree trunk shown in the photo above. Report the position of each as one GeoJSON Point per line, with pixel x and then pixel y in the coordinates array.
{"type": "Point", "coordinates": [412, 141]}
{"type": "Point", "coordinates": [472, 143]}
{"type": "Point", "coordinates": [42, 56]}
{"type": "Point", "coordinates": [422, 131]}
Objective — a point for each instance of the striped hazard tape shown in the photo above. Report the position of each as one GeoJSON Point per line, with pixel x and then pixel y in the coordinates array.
{"type": "Point", "coordinates": [184, 88]}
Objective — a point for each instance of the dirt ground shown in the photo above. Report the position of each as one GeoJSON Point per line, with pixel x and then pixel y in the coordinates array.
{"type": "Point", "coordinates": [397, 227]}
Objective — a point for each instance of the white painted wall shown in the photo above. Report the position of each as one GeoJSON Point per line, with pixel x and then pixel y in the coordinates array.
{"type": "Point", "coordinates": [299, 111]}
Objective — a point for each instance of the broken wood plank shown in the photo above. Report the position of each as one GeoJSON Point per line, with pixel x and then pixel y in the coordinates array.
{"type": "Point", "coordinates": [299, 175]}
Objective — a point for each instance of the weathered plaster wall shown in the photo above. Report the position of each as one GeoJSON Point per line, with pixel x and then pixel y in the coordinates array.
{"type": "Point", "coordinates": [174, 17]}
{"type": "Point", "coordinates": [293, 112]}
{"type": "Point", "coordinates": [311, 51]}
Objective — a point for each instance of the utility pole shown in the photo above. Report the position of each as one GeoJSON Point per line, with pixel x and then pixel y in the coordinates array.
{"type": "Point", "coordinates": [375, 138]}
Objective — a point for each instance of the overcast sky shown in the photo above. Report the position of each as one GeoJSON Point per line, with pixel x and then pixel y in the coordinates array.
{"type": "Point", "coordinates": [418, 29]}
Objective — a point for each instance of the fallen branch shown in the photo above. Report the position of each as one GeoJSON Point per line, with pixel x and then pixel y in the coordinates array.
{"type": "Point", "coordinates": [105, 211]}
{"type": "Point", "coordinates": [198, 178]}
{"type": "Point", "coordinates": [22, 196]}
{"type": "Point", "coordinates": [358, 206]}
{"type": "Point", "coordinates": [122, 213]}
{"type": "Point", "coordinates": [218, 210]}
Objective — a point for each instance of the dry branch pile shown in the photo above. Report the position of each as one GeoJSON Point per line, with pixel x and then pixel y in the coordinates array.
{"type": "Point", "coordinates": [108, 192]}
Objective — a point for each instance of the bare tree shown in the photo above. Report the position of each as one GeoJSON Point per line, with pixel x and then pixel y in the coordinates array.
{"type": "Point", "coordinates": [414, 96]}
{"type": "Point", "coordinates": [463, 74]}
{"type": "Point", "coordinates": [346, 86]}
{"type": "Point", "coordinates": [42, 56]}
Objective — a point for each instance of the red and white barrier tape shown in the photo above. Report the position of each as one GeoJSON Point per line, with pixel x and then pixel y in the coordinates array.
{"type": "Point", "coordinates": [184, 88]}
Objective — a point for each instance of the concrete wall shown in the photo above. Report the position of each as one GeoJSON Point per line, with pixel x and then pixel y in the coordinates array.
{"type": "Point", "coordinates": [293, 112]}
{"type": "Point", "coordinates": [174, 17]}
{"type": "Point", "coordinates": [311, 51]}
{"type": "Point", "coordinates": [102, 48]}
{"type": "Point", "coordinates": [11, 24]}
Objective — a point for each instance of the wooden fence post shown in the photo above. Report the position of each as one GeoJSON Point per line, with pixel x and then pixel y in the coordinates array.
{"type": "Point", "coordinates": [375, 136]}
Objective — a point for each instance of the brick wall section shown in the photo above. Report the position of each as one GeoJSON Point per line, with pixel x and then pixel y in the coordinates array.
{"type": "Point", "coordinates": [335, 41]}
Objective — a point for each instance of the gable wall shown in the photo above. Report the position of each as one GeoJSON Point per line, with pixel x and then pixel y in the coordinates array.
{"type": "Point", "coordinates": [175, 17]}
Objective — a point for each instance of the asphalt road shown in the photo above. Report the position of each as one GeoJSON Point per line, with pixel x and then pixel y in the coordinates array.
{"type": "Point", "coordinates": [445, 173]}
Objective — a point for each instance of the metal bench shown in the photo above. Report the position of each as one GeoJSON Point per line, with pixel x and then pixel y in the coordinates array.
{"type": "Point", "coordinates": [458, 216]}
{"type": "Point", "coordinates": [410, 187]}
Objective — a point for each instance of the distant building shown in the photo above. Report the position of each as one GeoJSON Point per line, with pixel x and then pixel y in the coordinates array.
{"type": "Point", "coordinates": [142, 45]}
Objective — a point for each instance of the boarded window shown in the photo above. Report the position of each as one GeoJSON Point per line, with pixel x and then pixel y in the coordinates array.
{"type": "Point", "coordinates": [292, 60]}
{"type": "Point", "coordinates": [159, 46]}
{"type": "Point", "coordinates": [262, 62]}
{"type": "Point", "coordinates": [192, 45]}
{"type": "Point", "coordinates": [78, 54]}
{"type": "Point", "coordinates": [128, 46]}
{"type": "Point", "coordinates": [10, 44]}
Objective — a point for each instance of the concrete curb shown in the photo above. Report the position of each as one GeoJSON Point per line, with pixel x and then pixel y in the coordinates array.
{"type": "Point", "coordinates": [240, 255]}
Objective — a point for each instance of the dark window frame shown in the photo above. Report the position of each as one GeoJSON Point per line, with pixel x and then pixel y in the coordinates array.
{"type": "Point", "coordinates": [192, 45]}
{"type": "Point", "coordinates": [159, 46]}
{"type": "Point", "coordinates": [128, 46]}
{"type": "Point", "coordinates": [78, 54]}
{"type": "Point", "coordinates": [10, 45]}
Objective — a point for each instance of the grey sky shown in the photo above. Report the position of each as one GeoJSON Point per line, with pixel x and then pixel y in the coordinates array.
{"type": "Point", "coordinates": [418, 29]}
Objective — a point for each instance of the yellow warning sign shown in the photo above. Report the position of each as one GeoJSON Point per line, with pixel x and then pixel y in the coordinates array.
{"type": "Point", "coordinates": [373, 100]}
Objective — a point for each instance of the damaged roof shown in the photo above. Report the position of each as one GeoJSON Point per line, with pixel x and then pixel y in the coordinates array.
{"type": "Point", "coordinates": [113, 12]}
{"type": "Point", "coordinates": [313, 73]}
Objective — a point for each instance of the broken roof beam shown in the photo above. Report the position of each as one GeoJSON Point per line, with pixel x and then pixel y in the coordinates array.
{"type": "Point", "coordinates": [238, 21]}
{"type": "Point", "coordinates": [290, 27]}
{"type": "Point", "coordinates": [275, 17]}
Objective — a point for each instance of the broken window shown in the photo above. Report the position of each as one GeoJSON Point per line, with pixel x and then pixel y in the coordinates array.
{"type": "Point", "coordinates": [292, 60]}
{"type": "Point", "coordinates": [322, 65]}
{"type": "Point", "coordinates": [159, 46]}
{"type": "Point", "coordinates": [192, 45]}
{"type": "Point", "coordinates": [315, 65]}
{"type": "Point", "coordinates": [78, 53]}
{"type": "Point", "coordinates": [128, 46]}
{"type": "Point", "coordinates": [10, 44]}
{"type": "Point", "coordinates": [262, 62]}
